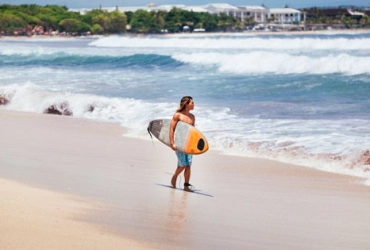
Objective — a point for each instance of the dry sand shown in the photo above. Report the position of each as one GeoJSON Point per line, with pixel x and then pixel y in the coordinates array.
{"type": "Point", "coordinates": [71, 183]}
{"type": "Point", "coordinates": [33, 218]}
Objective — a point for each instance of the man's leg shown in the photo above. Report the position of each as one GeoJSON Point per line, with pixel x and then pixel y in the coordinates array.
{"type": "Point", "coordinates": [187, 179]}
{"type": "Point", "coordinates": [187, 174]}
{"type": "Point", "coordinates": [174, 177]}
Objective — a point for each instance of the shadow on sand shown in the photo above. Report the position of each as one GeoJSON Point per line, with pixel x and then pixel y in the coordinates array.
{"type": "Point", "coordinates": [196, 191]}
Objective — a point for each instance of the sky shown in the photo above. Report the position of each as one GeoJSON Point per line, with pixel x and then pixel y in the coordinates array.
{"type": "Point", "coordinates": [122, 3]}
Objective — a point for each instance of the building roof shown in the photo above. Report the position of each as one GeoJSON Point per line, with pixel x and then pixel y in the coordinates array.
{"type": "Point", "coordinates": [252, 7]}
{"type": "Point", "coordinates": [283, 10]}
{"type": "Point", "coordinates": [355, 13]}
{"type": "Point", "coordinates": [220, 6]}
{"type": "Point", "coordinates": [195, 9]}
{"type": "Point", "coordinates": [169, 7]}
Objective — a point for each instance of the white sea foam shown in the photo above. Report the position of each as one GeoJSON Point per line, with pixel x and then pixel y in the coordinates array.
{"type": "Point", "coordinates": [322, 144]}
{"type": "Point", "coordinates": [249, 43]}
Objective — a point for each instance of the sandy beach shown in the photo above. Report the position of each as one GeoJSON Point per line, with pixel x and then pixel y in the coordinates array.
{"type": "Point", "coordinates": [69, 183]}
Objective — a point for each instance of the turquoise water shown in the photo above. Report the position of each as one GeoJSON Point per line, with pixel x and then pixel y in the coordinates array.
{"type": "Point", "coordinates": [301, 99]}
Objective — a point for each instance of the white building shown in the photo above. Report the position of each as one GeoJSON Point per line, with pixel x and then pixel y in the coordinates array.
{"type": "Point", "coordinates": [285, 16]}
{"type": "Point", "coordinates": [259, 14]}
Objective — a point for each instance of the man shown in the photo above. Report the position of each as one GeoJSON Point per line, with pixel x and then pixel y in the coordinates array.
{"type": "Point", "coordinates": [184, 160]}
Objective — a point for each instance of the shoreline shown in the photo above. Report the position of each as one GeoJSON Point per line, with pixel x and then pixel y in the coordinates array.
{"type": "Point", "coordinates": [198, 34]}
{"type": "Point", "coordinates": [241, 203]}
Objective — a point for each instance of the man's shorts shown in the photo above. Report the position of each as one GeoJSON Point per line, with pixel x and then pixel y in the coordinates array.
{"type": "Point", "coordinates": [183, 159]}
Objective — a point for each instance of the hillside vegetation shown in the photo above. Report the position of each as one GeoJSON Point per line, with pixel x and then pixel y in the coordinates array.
{"type": "Point", "coordinates": [53, 19]}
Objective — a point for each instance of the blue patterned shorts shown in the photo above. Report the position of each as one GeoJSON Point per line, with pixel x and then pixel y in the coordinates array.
{"type": "Point", "coordinates": [183, 159]}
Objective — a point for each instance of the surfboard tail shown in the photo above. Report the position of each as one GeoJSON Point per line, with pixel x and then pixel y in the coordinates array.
{"type": "Point", "coordinates": [154, 128]}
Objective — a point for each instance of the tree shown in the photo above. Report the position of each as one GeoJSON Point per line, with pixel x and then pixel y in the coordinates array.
{"type": "Point", "coordinates": [225, 22]}
{"type": "Point", "coordinates": [102, 20]}
{"type": "Point", "coordinates": [74, 26]}
{"type": "Point", "coordinates": [209, 22]}
{"type": "Point", "coordinates": [10, 23]}
{"type": "Point", "coordinates": [97, 29]}
{"type": "Point", "coordinates": [142, 21]}
{"type": "Point", "coordinates": [239, 25]}
{"type": "Point", "coordinates": [365, 21]}
{"type": "Point", "coordinates": [117, 22]}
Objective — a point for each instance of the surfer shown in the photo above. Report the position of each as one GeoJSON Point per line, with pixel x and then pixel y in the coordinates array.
{"type": "Point", "coordinates": [184, 160]}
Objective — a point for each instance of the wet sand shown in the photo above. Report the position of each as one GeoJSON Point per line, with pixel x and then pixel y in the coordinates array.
{"type": "Point", "coordinates": [69, 182]}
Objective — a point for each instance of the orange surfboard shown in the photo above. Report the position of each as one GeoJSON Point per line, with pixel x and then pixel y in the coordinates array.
{"type": "Point", "coordinates": [188, 139]}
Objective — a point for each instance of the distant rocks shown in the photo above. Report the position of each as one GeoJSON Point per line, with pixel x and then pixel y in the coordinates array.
{"type": "Point", "coordinates": [63, 109]}
{"type": "Point", "coordinates": [59, 109]}
{"type": "Point", "coordinates": [366, 157]}
{"type": "Point", "coordinates": [4, 100]}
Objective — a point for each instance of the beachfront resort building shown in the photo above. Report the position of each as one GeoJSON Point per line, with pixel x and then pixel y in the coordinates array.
{"type": "Point", "coordinates": [258, 14]}
{"type": "Point", "coordinates": [284, 15]}
{"type": "Point", "coordinates": [255, 13]}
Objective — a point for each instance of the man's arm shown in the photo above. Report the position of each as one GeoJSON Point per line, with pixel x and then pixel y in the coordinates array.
{"type": "Point", "coordinates": [173, 124]}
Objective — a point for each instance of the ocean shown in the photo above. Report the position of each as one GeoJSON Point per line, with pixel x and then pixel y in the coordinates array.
{"type": "Point", "coordinates": [300, 99]}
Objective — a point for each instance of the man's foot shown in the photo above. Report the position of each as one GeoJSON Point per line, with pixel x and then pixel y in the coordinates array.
{"type": "Point", "coordinates": [173, 181]}
{"type": "Point", "coordinates": [187, 187]}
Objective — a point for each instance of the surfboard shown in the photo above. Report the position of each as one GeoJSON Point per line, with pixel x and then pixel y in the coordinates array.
{"type": "Point", "coordinates": [187, 138]}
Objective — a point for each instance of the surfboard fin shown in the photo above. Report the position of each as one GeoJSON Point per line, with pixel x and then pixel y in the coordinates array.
{"type": "Point", "coordinates": [150, 128]}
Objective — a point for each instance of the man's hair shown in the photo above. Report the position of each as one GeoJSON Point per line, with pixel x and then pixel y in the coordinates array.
{"type": "Point", "coordinates": [184, 101]}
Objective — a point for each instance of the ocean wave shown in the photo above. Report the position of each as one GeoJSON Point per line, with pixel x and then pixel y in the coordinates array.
{"type": "Point", "coordinates": [61, 59]}
{"type": "Point", "coordinates": [279, 63]}
{"type": "Point", "coordinates": [254, 62]}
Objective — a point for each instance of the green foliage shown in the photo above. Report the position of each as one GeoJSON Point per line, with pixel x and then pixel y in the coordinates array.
{"type": "Point", "coordinates": [340, 16]}
{"type": "Point", "coordinates": [129, 15]}
{"type": "Point", "coordinates": [74, 26]}
{"type": "Point", "coordinates": [208, 21]}
{"type": "Point", "coordinates": [225, 22]}
{"type": "Point", "coordinates": [54, 17]}
{"type": "Point", "coordinates": [97, 29]}
{"type": "Point", "coordinates": [31, 20]}
{"type": "Point", "coordinates": [51, 17]}
{"type": "Point", "coordinates": [50, 22]}
{"type": "Point", "coordinates": [117, 22]}
{"type": "Point", "coordinates": [102, 20]}
{"type": "Point", "coordinates": [24, 18]}
{"type": "Point", "coordinates": [365, 21]}
{"type": "Point", "coordinates": [11, 23]}
{"type": "Point", "coordinates": [106, 22]}
{"type": "Point", "coordinates": [143, 22]}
